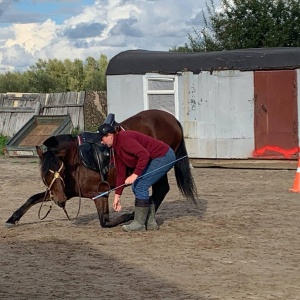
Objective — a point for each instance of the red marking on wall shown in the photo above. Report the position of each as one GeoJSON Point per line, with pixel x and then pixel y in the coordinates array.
{"type": "Point", "coordinates": [287, 153]}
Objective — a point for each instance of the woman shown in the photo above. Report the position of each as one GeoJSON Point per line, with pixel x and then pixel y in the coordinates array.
{"type": "Point", "coordinates": [149, 158]}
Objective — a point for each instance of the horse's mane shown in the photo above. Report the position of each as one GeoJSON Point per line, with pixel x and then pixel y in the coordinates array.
{"type": "Point", "coordinates": [54, 145]}
{"type": "Point", "coordinates": [58, 142]}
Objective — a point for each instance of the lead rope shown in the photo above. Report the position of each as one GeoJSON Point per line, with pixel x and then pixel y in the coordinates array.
{"type": "Point", "coordinates": [42, 203]}
{"type": "Point", "coordinates": [56, 175]}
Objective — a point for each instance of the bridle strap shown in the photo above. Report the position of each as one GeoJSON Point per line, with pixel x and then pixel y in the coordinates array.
{"type": "Point", "coordinates": [56, 175]}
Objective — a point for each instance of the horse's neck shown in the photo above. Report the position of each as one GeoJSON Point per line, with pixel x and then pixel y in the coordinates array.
{"type": "Point", "coordinates": [73, 158]}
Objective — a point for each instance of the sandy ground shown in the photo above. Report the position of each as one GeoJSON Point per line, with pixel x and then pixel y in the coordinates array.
{"type": "Point", "coordinates": [242, 243]}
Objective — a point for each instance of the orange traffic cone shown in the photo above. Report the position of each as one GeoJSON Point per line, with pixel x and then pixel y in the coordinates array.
{"type": "Point", "coordinates": [296, 186]}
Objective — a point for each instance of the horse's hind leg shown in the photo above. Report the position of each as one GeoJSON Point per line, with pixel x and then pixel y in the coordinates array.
{"type": "Point", "coordinates": [17, 215]}
{"type": "Point", "coordinates": [159, 191]}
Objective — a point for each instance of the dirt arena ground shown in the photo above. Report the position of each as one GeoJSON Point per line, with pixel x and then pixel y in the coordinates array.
{"type": "Point", "coordinates": [242, 243]}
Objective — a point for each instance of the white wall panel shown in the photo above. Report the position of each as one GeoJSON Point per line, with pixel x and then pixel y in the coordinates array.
{"type": "Point", "coordinates": [235, 114]}
{"type": "Point", "coordinates": [216, 110]}
{"type": "Point", "coordinates": [124, 95]}
{"type": "Point", "coordinates": [218, 114]}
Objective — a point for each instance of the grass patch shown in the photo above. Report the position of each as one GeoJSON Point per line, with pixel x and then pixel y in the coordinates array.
{"type": "Point", "coordinates": [75, 131]}
{"type": "Point", "coordinates": [3, 141]}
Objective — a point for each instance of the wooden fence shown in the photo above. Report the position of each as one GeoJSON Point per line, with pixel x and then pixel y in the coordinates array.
{"type": "Point", "coordinates": [17, 109]}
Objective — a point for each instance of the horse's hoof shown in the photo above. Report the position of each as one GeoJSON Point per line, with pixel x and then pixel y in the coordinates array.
{"type": "Point", "coordinates": [10, 225]}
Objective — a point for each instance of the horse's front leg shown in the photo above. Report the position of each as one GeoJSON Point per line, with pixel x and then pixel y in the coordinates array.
{"type": "Point", "coordinates": [102, 207]}
{"type": "Point", "coordinates": [18, 214]}
{"type": "Point", "coordinates": [103, 214]}
{"type": "Point", "coordinates": [119, 220]}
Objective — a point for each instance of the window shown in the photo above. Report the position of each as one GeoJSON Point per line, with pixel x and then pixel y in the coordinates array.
{"type": "Point", "coordinates": [160, 93]}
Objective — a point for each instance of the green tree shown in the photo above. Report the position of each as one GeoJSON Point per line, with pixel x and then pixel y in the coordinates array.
{"type": "Point", "coordinates": [103, 63]}
{"type": "Point", "coordinates": [41, 82]}
{"type": "Point", "coordinates": [56, 71]}
{"type": "Point", "coordinates": [40, 79]}
{"type": "Point", "coordinates": [94, 74]}
{"type": "Point", "coordinates": [74, 73]}
{"type": "Point", "coordinates": [243, 24]}
{"type": "Point", "coordinates": [55, 76]}
{"type": "Point", "coordinates": [10, 81]}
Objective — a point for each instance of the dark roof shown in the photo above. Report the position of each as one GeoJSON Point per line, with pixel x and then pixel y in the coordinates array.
{"type": "Point", "coordinates": [143, 61]}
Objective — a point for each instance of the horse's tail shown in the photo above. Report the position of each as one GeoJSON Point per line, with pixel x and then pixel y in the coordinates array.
{"type": "Point", "coordinates": [184, 178]}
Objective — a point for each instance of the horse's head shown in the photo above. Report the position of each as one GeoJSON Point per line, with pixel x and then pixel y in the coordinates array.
{"type": "Point", "coordinates": [53, 173]}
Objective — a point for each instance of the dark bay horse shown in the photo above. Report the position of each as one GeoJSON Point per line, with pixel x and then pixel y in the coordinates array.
{"type": "Point", "coordinates": [66, 177]}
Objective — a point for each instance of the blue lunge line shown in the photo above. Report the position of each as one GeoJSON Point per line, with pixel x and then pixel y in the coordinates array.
{"type": "Point", "coordinates": [105, 193]}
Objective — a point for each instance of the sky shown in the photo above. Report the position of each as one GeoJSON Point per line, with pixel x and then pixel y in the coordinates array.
{"type": "Point", "coordinates": [76, 29]}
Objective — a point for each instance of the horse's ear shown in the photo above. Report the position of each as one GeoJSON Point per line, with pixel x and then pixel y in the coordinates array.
{"type": "Point", "coordinates": [51, 142]}
{"type": "Point", "coordinates": [39, 151]}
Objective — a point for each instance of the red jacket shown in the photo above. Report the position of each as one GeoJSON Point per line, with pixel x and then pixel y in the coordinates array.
{"type": "Point", "coordinates": [134, 150]}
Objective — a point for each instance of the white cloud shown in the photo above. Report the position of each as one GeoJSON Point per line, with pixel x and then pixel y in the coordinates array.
{"type": "Point", "coordinates": [107, 27]}
{"type": "Point", "coordinates": [32, 37]}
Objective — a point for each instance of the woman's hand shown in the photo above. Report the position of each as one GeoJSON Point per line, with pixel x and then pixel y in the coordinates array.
{"type": "Point", "coordinates": [129, 180]}
{"type": "Point", "coordinates": [117, 203]}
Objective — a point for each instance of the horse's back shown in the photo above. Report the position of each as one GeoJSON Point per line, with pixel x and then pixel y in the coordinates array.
{"type": "Point", "coordinates": [158, 124]}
